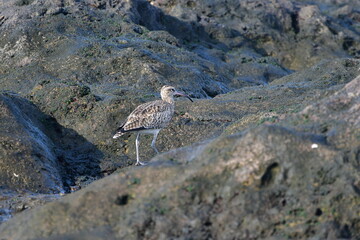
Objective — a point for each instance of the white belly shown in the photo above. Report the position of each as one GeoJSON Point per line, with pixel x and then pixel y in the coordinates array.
{"type": "Point", "coordinates": [149, 131]}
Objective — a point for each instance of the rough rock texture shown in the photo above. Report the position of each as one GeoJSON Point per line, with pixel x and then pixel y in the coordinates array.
{"type": "Point", "coordinates": [297, 34]}
{"type": "Point", "coordinates": [267, 182]}
{"type": "Point", "coordinates": [89, 63]}
{"type": "Point", "coordinates": [27, 159]}
{"type": "Point", "coordinates": [37, 153]}
{"type": "Point", "coordinates": [73, 71]}
{"type": "Point", "coordinates": [261, 183]}
{"type": "Point", "coordinates": [337, 117]}
{"type": "Point", "coordinates": [13, 202]}
{"type": "Point", "coordinates": [89, 35]}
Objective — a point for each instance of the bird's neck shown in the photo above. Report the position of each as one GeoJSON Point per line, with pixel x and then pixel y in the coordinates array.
{"type": "Point", "coordinates": [168, 100]}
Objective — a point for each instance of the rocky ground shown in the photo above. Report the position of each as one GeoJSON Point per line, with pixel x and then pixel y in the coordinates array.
{"type": "Point", "coordinates": [269, 149]}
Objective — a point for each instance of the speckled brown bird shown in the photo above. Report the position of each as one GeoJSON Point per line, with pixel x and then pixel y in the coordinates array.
{"type": "Point", "coordinates": [150, 118]}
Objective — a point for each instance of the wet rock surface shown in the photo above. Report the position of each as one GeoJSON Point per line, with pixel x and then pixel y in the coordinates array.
{"type": "Point", "coordinates": [264, 152]}
{"type": "Point", "coordinates": [38, 154]}
{"type": "Point", "coordinates": [27, 157]}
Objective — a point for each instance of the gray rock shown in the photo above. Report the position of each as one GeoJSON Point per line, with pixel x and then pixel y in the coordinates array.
{"type": "Point", "coordinates": [13, 202]}
{"type": "Point", "coordinates": [27, 155]}
{"type": "Point", "coordinates": [336, 117]}
{"type": "Point", "coordinates": [225, 173]}
{"type": "Point", "coordinates": [68, 46]}
{"type": "Point", "coordinates": [297, 34]}
{"type": "Point", "coordinates": [40, 155]}
{"type": "Point", "coordinates": [260, 183]}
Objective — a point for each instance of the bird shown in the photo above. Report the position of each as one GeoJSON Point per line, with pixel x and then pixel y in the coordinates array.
{"type": "Point", "coordinates": [150, 118]}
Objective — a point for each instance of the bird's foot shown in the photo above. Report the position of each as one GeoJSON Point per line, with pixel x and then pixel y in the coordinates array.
{"type": "Point", "coordinates": [138, 163]}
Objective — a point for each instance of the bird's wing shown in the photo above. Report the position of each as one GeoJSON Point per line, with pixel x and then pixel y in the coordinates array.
{"type": "Point", "coordinates": [149, 115]}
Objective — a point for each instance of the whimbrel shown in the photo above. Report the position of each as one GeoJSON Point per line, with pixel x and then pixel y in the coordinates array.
{"type": "Point", "coordinates": [150, 118]}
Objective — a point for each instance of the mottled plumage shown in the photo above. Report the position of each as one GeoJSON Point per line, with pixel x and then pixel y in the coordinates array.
{"type": "Point", "coordinates": [151, 115]}
{"type": "Point", "coordinates": [150, 118]}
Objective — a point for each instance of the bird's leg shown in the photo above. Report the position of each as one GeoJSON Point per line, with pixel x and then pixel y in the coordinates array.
{"type": "Point", "coordinates": [137, 143]}
{"type": "Point", "coordinates": [153, 142]}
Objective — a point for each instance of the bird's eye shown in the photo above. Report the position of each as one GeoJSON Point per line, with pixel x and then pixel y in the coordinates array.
{"type": "Point", "coordinates": [173, 90]}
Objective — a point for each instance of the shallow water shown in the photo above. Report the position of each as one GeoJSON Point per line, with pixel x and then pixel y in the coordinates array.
{"type": "Point", "coordinates": [12, 203]}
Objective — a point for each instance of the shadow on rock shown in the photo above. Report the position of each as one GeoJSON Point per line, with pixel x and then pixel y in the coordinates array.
{"type": "Point", "coordinates": [78, 157]}
{"type": "Point", "coordinates": [39, 155]}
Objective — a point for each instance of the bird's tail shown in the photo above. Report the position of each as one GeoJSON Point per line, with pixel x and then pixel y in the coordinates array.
{"type": "Point", "coordinates": [118, 134]}
{"type": "Point", "coordinates": [120, 131]}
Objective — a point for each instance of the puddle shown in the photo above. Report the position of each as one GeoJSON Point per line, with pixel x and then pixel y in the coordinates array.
{"type": "Point", "coordinates": [12, 203]}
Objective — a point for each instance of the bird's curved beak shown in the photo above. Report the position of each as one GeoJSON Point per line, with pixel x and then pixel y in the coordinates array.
{"type": "Point", "coordinates": [182, 95]}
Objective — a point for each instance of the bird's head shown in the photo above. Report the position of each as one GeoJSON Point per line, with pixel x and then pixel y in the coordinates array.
{"type": "Point", "coordinates": [168, 92]}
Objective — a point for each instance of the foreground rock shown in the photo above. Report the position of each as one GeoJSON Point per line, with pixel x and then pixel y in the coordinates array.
{"type": "Point", "coordinates": [269, 172]}
{"type": "Point", "coordinates": [265, 182]}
